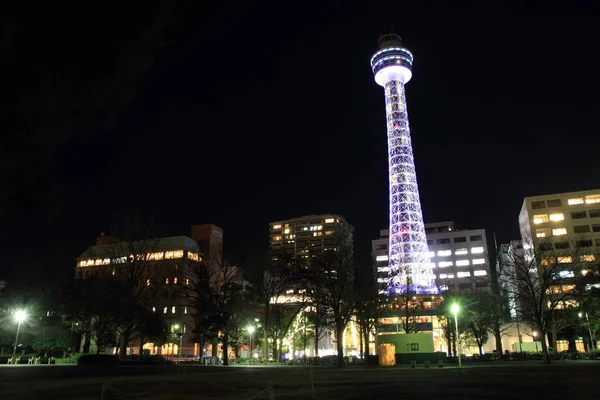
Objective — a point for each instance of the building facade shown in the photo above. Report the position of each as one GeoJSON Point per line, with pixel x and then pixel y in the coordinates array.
{"type": "Point", "coordinates": [459, 257]}
{"type": "Point", "coordinates": [166, 265]}
{"type": "Point", "coordinates": [561, 221]}
{"type": "Point", "coordinates": [310, 237]}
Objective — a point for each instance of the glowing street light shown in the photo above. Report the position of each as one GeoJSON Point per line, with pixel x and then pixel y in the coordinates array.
{"type": "Point", "coordinates": [180, 334]}
{"type": "Point", "coordinates": [20, 316]}
{"type": "Point", "coordinates": [250, 331]}
{"type": "Point", "coordinates": [535, 340]}
{"type": "Point", "coordinates": [455, 308]}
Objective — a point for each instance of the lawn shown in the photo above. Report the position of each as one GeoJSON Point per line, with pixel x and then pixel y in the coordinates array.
{"type": "Point", "coordinates": [565, 380]}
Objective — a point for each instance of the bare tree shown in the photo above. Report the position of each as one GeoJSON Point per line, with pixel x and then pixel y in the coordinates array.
{"type": "Point", "coordinates": [542, 279]}
{"type": "Point", "coordinates": [336, 286]}
{"type": "Point", "coordinates": [217, 297]}
{"type": "Point", "coordinates": [370, 307]}
{"type": "Point", "coordinates": [269, 282]}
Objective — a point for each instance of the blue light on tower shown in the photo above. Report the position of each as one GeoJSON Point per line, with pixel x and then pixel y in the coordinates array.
{"type": "Point", "coordinates": [409, 265]}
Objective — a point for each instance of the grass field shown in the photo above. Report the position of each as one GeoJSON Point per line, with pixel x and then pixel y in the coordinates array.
{"type": "Point", "coordinates": [567, 380]}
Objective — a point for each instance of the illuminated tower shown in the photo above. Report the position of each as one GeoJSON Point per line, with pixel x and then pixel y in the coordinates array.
{"type": "Point", "coordinates": [409, 265]}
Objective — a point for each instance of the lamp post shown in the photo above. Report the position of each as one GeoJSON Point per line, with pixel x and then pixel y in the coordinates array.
{"type": "Point", "coordinates": [535, 340]}
{"type": "Point", "coordinates": [250, 331]}
{"type": "Point", "coordinates": [455, 308]}
{"type": "Point", "coordinates": [589, 329]}
{"type": "Point", "coordinates": [20, 316]}
{"type": "Point", "coordinates": [180, 335]}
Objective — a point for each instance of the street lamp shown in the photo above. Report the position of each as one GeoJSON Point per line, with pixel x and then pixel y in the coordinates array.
{"type": "Point", "coordinates": [589, 329]}
{"type": "Point", "coordinates": [250, 331]}
{"type": "Point", "coordinates": [176, 328]}
{"type": "Point", "coordinates": [20, 316]}
{"type": "Point", "coordinates": [535, 340]}
{"type": "Point", "coordinates": [455, 308]}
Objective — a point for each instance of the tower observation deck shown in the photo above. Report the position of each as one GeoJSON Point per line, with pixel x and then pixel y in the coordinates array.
{"type": "Point", "coordinates": [410, 269]}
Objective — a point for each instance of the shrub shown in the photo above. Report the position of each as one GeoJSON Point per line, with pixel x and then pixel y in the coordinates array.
{"type": "Point", "coordinates": [98, 360]}
{"type": "Point", "coordinates": [70, 359]}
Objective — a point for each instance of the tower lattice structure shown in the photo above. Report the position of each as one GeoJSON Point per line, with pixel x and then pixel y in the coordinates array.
{"type": "Point", "coordinates": [410, 269]}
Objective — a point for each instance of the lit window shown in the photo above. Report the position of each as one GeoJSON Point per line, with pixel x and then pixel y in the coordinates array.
{"type": "Point", "coordinates": [193, 256]}
{"type": "Point", "coordinates": [185, 310]}
{"type": "Point", "coordinates": [430, 254]}
{"type": "Point", "coordinates": [173, 310]}
{"type": "Point", "coordinates": [540, 219]}
{"type": "Point", "coordinates": [575, 201]}
{"type": "Point", "coordinates": [444, 287]}
{"type": "Point", "coordinates": [276, 238]}
{"type": "Point", "coordinates": [381, 258]}
{"type": "Point", "coordinates": [443, 276]}
{"type": "Point", "coordinates": [548, 261]}
{"type": "Point", "coordinates": [463, 274]}
{"type": "Point", "coordinates": [328, 233]}
{"type": "Point", "coordinates": [566, 274]}
{"type": "Point", "coordinates": [187, 281]}
{"type": "Point", "coordinates": [153, 309]}
{"type": "Point", "coordinates": [113, 272]}
{"type": "Point", "coordinates": [289, 291]}
{"type": "Point", "coordinates": [329, 221]}
{"type": "Point", "coordinates": [286, 231]}
{"type": "Point", "coordinates": [165, 310]}
{"type": "Point", "coordinates": [557, 217]}
{"type": "Point", "coordinates": [559, 231]}
{"type": "Point", "coordinates": [155, 256]}
{"type": "Point", "coordinates": [478, 261]}
{"type": "Point", "coordinates": [276, 226]}
{"type": "Point", "coordinates": [444, 253]}
{"type": "Point", "coordinates": [592, 199]}
{"type": "Point", "coordinates": [480, 272]}
{"type": "Point", "coordinates": [317, 233]}
{"type": "Point", "coordinates": [542, 233]}
{"type": "Point", "coordinates": [462, 263]}
{"type": "Point", "coordinates": [445, 264]}
{"type": "Point", "coordinates": [175, 281]}
{"type": "Point", "coordinates": [147, 282]}
{"type": "Point", "coordinates": [169, 255]}
{"type": "Point", "coordinates": [461, 252]}
{"type": "Point", "coordinates": [587, 257]}
{"type": "Point", "coordinates": [305, 228]}
{"type": "Point", "coordinates": [565, 260]}
{"type": "Point", "coordinates": [383, 269]}
{"type": "Point", "coordinates": [381, 280]}
{"type": "Point", "coordinates": [476, 250]}
{"type": "Point", "coordinates": [166, 281]}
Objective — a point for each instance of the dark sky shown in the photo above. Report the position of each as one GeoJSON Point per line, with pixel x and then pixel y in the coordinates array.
{"type": "Point", "coordinates": [252, 113]}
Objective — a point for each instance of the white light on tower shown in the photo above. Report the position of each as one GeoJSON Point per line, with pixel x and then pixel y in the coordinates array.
{"type": "Point", "coordinates": [410, 268]}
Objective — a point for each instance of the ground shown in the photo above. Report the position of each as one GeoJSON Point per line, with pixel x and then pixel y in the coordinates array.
{"type": "Point", "coordinates": [562, 380]}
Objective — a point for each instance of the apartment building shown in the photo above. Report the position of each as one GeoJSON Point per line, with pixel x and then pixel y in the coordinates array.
{"type": "Point", "coordinates": [309, 237]}
{"type": "Point", "coordinates": [561, 222]}
{"type": "Point", "coordinates": [460, 257]}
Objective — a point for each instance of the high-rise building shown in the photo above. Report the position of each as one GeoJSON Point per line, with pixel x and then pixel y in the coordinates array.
{"type": "Point", "coordinates": [561, 222]}
{"type": "Point", "coordinates": [459, 258]}
{"type": "Point", "coordinates": [409, 267]}
{"type": "Point", "coordinates": [309, 237]}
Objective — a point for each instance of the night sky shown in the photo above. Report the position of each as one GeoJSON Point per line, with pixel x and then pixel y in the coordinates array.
{"type": "Point", "coordinates": [253, 113]}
